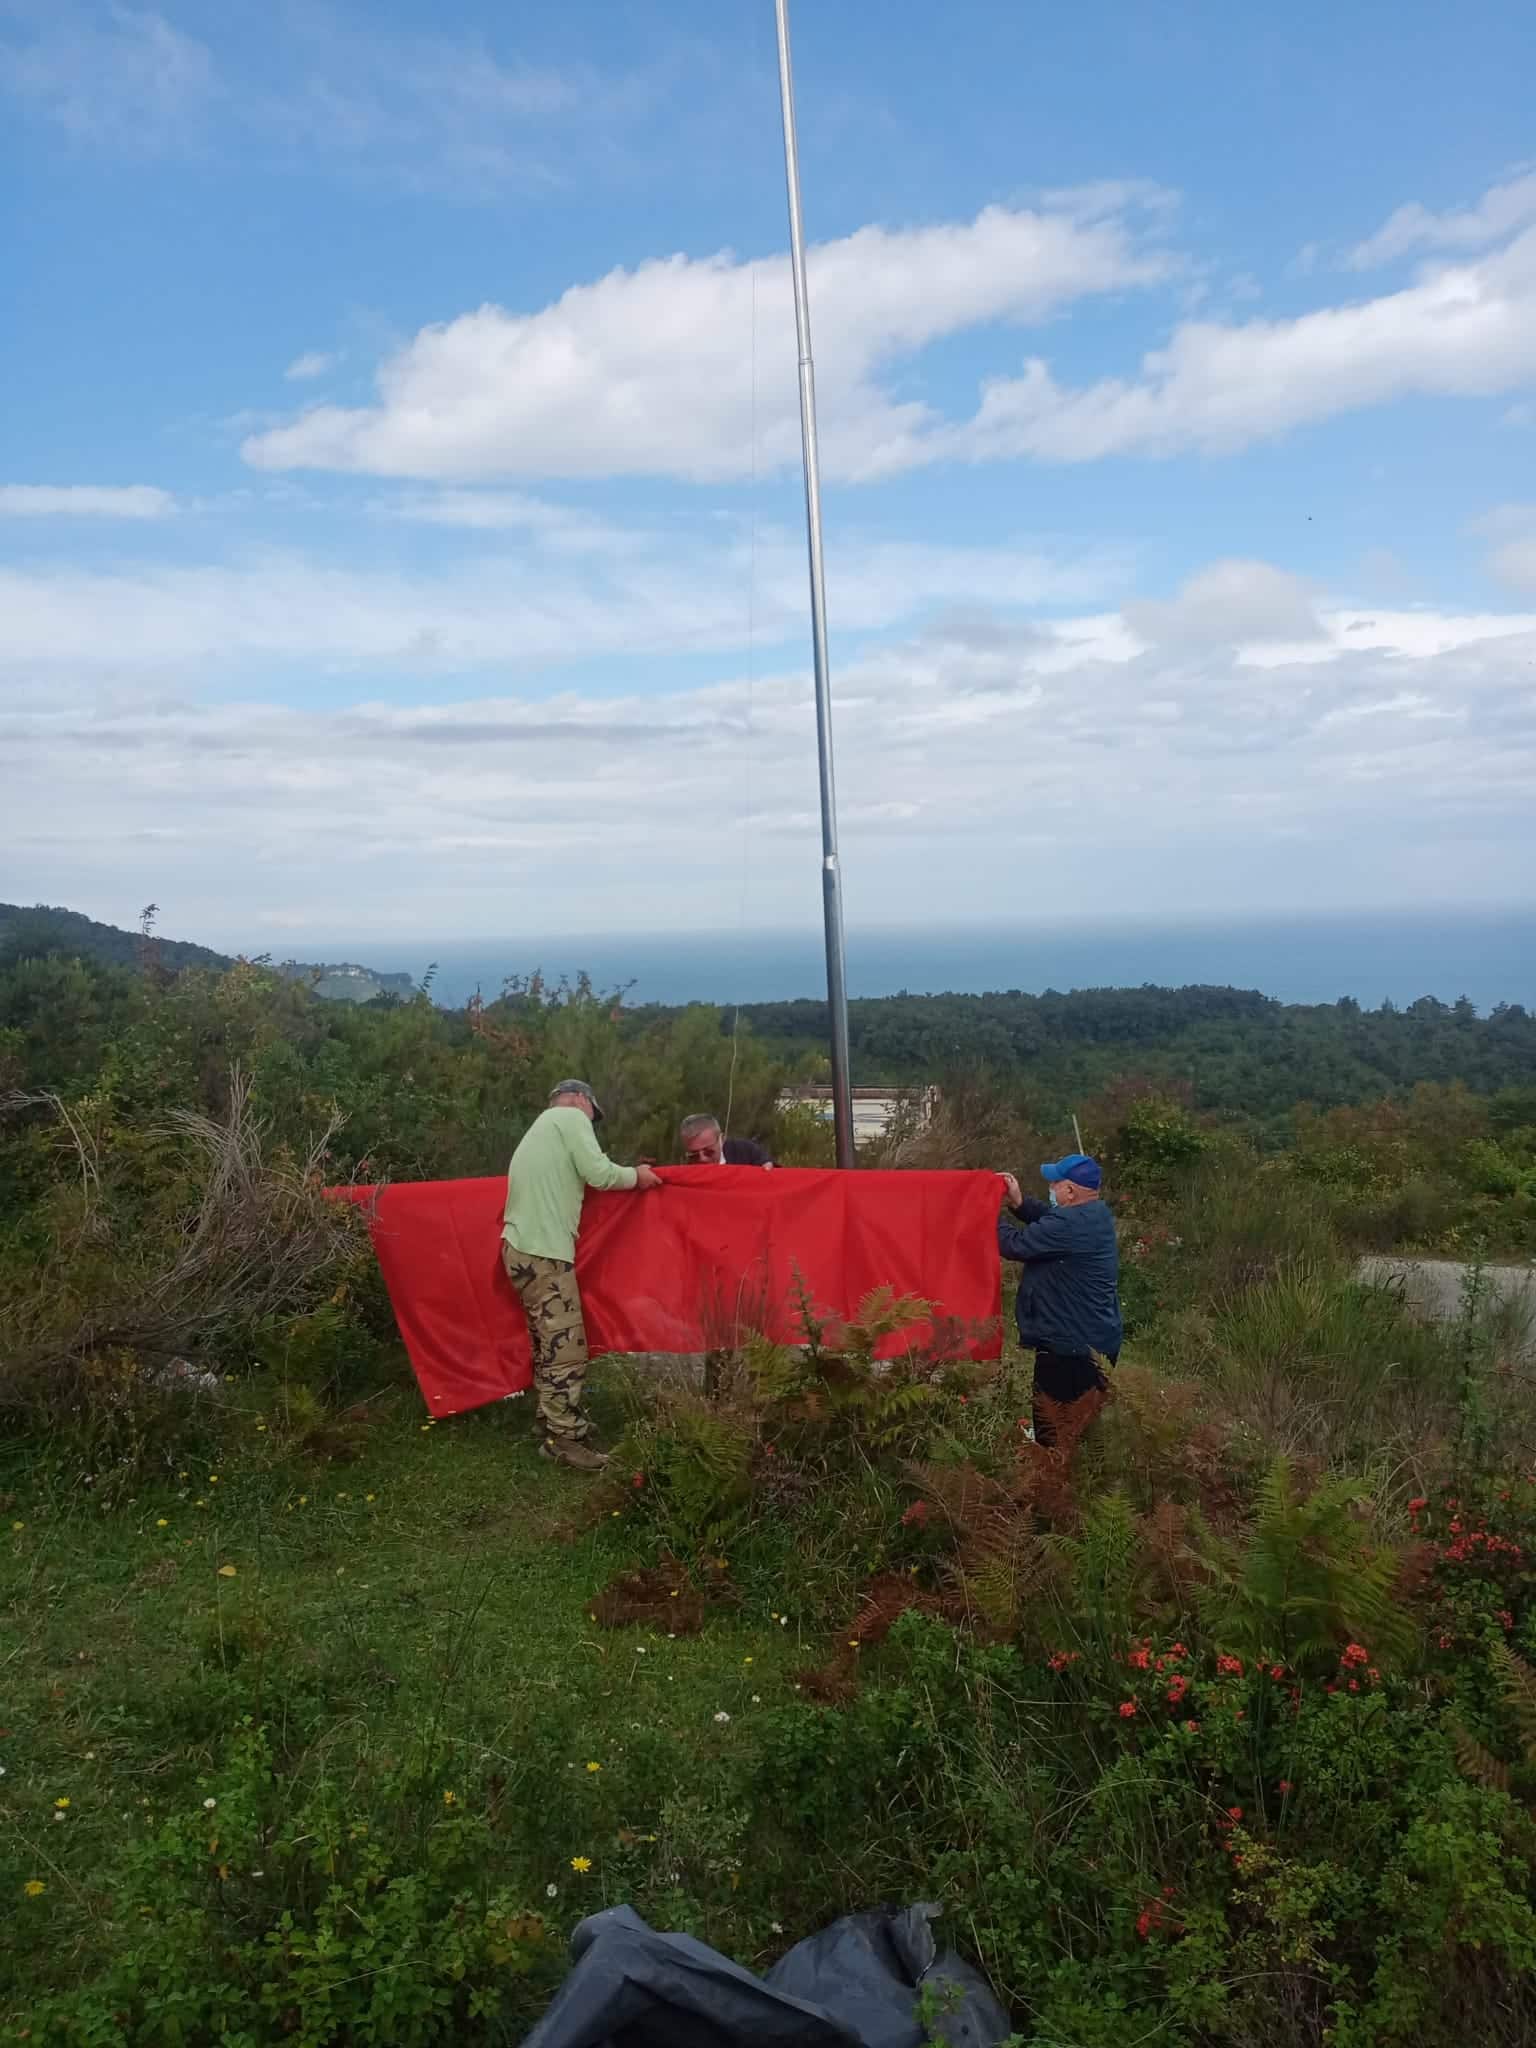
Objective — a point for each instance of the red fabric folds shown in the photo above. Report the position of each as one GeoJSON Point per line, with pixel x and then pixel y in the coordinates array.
{"type": "Point", "coordinates": [680, 1269]}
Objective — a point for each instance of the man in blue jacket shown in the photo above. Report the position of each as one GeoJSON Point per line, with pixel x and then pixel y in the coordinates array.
{"type": "Point", "coordinates": [1069, 1298]}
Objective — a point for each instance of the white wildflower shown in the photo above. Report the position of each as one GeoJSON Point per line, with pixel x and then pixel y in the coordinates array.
{"type": "Point", "coordinates": [722, 1715]}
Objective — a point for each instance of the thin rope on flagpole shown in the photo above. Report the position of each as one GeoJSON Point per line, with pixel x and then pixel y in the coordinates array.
{"type": "Point", "coordinates": [749, 733]}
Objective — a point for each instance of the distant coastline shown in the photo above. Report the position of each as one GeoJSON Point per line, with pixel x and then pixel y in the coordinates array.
{"type": "Point", "coordinates": [1487, 956]}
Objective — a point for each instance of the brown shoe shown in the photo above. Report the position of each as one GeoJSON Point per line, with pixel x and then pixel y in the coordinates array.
{"type": "Point", "coordinates": [574, 1451]}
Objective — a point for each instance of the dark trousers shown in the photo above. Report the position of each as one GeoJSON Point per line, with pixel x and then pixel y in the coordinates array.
{"type": "Point", "coordinates": [1064, 1377]}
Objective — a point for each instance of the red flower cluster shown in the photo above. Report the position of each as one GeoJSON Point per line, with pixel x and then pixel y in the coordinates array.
{"type": "Point", "coordinates": [1140, 1660]}
{"type": "Point", "coordinates": [916, 1516]}
{"type": "Point", "coordinates": [1062, 1658]}
{"type": "Point", "coordinates": [1229, 1667]}
{"type": "Point", "coordinates": [638, 1480]}
{"type": "Point", "coordinates": [1474, 1540]}
{"type": "Point", "coordinates": [1355, 1654]}
{"type": "Point", "coordinates": [1152, 1919]}
{"type": "Point", "coordinates": [1178, 1685]}
{"type": "Point", "coordinates": [1127, 1710]}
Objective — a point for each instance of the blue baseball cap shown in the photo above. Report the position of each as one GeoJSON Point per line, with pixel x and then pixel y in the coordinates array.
{"type": "Point", "coordinates": [1078, 1167]}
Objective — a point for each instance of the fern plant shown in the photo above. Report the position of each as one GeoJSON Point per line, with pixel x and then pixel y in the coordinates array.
{"type": "Point", "coordinates": [835, 1395]}
{"type": "Point", "coordinates": [1104, 1558]}
{"type": "Point", "coordinates": [1308, 1577]}
{"type": "Point", "coordinates": [1517, 1686]}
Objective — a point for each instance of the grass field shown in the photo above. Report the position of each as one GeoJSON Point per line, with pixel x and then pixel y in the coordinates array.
{"type": "Point", "coordinates": [405, 1616]}
{"type": "Point", "coordinates": [1226, 1744]}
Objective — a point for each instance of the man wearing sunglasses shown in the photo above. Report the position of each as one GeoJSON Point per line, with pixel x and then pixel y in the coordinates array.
{"type": "Point", "coordinates": [705, 1144]}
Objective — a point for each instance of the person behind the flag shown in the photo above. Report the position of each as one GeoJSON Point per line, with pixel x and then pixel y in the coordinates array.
{"type": "Point", "coordinates": [1069, 1299]}
{"type": "Point", "coordinates": [558, 1159]}
{"type": "Point", "coordinates": [703, 1143]}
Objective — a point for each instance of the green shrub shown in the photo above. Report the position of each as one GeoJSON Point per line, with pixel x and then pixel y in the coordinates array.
{"type": "Point", "coordinates": [265, 1912]}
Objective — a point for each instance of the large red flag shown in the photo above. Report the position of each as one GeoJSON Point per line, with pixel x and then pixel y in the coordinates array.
{"type": "Point", "coordinates": [680, 1269]}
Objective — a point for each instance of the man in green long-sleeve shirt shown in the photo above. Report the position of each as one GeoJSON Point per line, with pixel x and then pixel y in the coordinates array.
{"type": "Point", "coordinates": [557, 1161]}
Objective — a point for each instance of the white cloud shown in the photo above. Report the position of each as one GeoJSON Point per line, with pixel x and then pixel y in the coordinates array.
{"type": "Point", "coordinates": [84, 501]}
{"type": "Point", "coordinates": [429, 110]}
{"type": "Point", "coordinates": [128, 80]}
{"type": "Point", "coordinates": [554, 526]}
{"type": "Point", "coordinates": [1501, 210]}
{"type": "Point", "coordinates": [1462, 331]}
{"type": "Point", "coordinates": [1512, 559]}
{"type": "Point", "coordinates": [559, 593]}
{"type": "Point", "coordinates": [1218, 777]}
{"type": "Point", "coordinates": [1230, 604]}
{"type": "Point", "coordinates": [313, 363]}
{"type": "Point", "coordinates": [652, 371]}
{"type": "Point", "coordinates": [1515, 563]}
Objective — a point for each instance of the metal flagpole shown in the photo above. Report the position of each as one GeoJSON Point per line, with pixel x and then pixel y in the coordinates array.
{"type": "Point", "coordinates": [831, 875]}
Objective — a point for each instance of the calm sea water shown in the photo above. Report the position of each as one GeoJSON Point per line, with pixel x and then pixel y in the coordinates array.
{"type": "Point", "coordinates": [1488, 956]}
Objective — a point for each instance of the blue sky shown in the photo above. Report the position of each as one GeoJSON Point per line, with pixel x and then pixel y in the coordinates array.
{"type": "Point", "coordinates": [399, 494]}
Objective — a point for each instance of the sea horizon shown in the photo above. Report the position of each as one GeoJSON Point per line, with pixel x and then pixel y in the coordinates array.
{"type": "Point", "coordinates": [1488, 956]}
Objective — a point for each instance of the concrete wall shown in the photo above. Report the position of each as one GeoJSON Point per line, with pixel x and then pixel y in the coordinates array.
{"type": "Point", "coordinates": [1434, 1286]}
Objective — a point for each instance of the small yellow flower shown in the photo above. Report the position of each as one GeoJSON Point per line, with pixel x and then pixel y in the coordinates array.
{"type": "Point", "coordinates": [227, 1571]}
{"type": "Point", "coordinates": [746, 1660]}
{"type": "Point", "coordinates": [594, 1767]}
{"type": "Point", "coordinates": [182, 1475]}
{"type": "Point", "coordinates": [450, 1799]}
{"type": "Point", "coordinates": [199, 1503]}
{"type": "Point", "coordinates": [34, 1888]}
{"type": "Point", "coordinates": [303, 1500]}
{"type": "Point", "coordinates": [213, 1478]}
{"type": "Point", "coordinates": [61, 1804]}
{"type": "Point", "coordinates": [162, 1523]}
{"type": "Point", "coordinates": [370, 1496]}
{"type": "Point", "coordinates": [581, 1865]}
{"type": "Point", "coordinates": [17, 1527]}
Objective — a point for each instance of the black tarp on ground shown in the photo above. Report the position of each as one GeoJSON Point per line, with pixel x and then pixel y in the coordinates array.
{"type": "Point", "coordinates": [854, 1985]}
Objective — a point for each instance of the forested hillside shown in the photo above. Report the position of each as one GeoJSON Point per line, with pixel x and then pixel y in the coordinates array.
{"type": "Point", "coordinates": [1239, 1051]}
{"type": "Point", "coordinates": [47, 929]}
{"type": "Point", "coordinates": [48, 932]}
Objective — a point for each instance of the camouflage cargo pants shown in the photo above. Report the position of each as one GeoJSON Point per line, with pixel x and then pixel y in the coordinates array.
{"type": "Point", "coordinates": [552, 1304]}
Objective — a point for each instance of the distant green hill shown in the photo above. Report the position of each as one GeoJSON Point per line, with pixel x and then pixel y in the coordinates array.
{"type": "Point", "coordinates": [47, 928]}
{"type": "Point", "coordinates": [28, 933]}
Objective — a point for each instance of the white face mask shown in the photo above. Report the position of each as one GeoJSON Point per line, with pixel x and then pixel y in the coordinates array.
{"type": "Point", "coordinates": [1054, 1194]}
